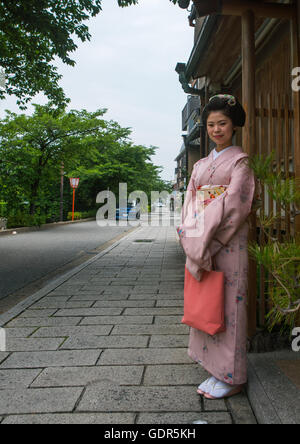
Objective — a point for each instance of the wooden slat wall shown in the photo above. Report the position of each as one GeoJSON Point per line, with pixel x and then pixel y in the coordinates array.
{"type": "Point", "coordinates": [275, 132]}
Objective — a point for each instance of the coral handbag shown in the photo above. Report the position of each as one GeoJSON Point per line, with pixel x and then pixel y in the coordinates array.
{"type": "Point", "coordinates": [204, 302]}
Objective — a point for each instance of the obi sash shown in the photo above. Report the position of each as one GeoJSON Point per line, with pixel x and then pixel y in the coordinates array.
{"type": "Point", "coordinates": [205, 194]}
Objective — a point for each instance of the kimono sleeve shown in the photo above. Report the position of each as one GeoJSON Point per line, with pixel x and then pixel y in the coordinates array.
{"type": "Point", "coordinates": [237, 202]}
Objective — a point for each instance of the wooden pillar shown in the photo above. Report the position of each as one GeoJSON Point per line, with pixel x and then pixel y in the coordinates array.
{"type": "Point", "coordinates": [249, 144]}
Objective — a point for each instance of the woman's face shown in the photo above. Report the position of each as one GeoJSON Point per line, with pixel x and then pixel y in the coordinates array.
{"type": "Point", "coordinates": [220, 129]}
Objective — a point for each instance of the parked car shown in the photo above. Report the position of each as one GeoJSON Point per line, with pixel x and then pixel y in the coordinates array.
{"type": "Point", "coordinates": [129, 213]}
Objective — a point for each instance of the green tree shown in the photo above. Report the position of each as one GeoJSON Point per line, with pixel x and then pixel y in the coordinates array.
{"type": "Point", "coordinates": [33, 147]}
{"type": "Point", "coordinates": [32, 34]}
{"type": "Point", "coordinates": [100, 152]}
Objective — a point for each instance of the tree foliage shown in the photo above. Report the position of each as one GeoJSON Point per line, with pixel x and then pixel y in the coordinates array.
{"type": "Point", "coordinates": [100, 152]}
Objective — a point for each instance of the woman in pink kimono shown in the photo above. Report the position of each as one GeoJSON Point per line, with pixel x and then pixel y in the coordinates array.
{"type": "Point", "coordinates": [217, 239]}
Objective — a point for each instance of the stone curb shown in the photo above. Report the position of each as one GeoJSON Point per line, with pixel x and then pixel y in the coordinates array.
{"type": "Point", "coordinates": [42, 227]}
{"type": "Point", "coordinates": [273, 396]}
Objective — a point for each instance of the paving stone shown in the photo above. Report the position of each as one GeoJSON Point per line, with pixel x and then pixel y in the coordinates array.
{"type": "Point", "coordinates": [170, 303]}
{"type": "Point", "coordinates": [67, 292]}
{"type": "Point", "coordinates": [151, 289]}
{"type": "Point", "coordinates": [125, 282]}
{"type": "Point", "coordinates": [80, 330]}
{"type": "Point", "coordinates": [153, 311]}
{"type": "Point", "coordinates": [57, 305]}
{"type": "Point", "coordinates": [168, 319]}
{"type": "Point", "coordinates": [149, 274]}
{"type": "Point", "coordinates": [19, 332]}
{"type": "Point", "coordinates": [150, 330]}
{"type": "Point", "coordinates": [148, 280]}
{"type": "Point", "coordinates": [13, 379]}
{"type": "Point", "coordinates": [124, 304]}
{"type": "Point", "coordinates": [184, 418]}
{"type": "Point", "coordinates": [115, 320]}
{"type": "Point", "coordinates": [173, 294]}
{"type": "Point", "coordinates": [51, 359]}
{"type": "Point", "coordinates": [89, 312]}
{"type": "Point", "coordinates": [163, 288]}
{"type": "Point", "coordinates": [172, 341]}
{"type": "Point", "coordinates": [241, 410]}
{"type": "Point", "coordinates": [118, 290]}
{"type": "Point", "coordinates": [72, 285]}
{"type": "Point", "coordinates": [181, 374]}
{"type": "Point", "coordinates": [52, 299]}
{"type": "Point", "coordinates": [107, 398]}
{"type": "Point", "coordinates": [97, 282]}
{"type": "Point", "coordinates": [32, 344]}
{"type": "Point", "coordinates": [152, 296]}
{"type": "Point", "coordinates": [214, 405]}
{"type": "Point", "coordinates": [42, 313]}
{"type": "Point", "coordinates": [39, 400]}
{"type": "Point", "coordinates": [42, 322]}
{"type": "Point", "coordinates": [89, 342]}
{"type": "Point", "coordinates": [73, 418]}
{"type": "Point", "coordinates": [100, 297]}
{"type": "Point", "coordinates": [83, 376]}
{"type": "Point", "coordinates": [144, 356]}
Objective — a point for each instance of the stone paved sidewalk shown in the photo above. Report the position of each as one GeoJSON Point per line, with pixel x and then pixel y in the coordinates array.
{"type": "Point", "coordinates": [107, 345]}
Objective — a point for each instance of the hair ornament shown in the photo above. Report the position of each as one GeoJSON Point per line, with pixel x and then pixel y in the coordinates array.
{"type": "Point", "coordinates": [231, 100]}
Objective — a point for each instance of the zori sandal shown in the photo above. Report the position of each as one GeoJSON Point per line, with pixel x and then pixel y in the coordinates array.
{"type": "Point", "coordinates": [221, 390]}
{"type": "Point", "coordinates": [204, 387]}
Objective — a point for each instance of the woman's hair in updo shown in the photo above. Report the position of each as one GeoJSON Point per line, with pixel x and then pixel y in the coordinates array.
{"type": "Point", "coordinates": [228, 105]}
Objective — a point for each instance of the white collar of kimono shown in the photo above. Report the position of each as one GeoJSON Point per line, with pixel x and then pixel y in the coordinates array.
{"type": "Point", "coordinates": [217, 154]}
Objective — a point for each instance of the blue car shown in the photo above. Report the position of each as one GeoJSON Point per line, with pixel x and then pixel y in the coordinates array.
{"type": "Point", "coordinates": [129, 213]}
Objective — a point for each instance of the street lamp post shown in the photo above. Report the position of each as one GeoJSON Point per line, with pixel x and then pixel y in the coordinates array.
{"type": "Point", "coordinates": [74, 182]}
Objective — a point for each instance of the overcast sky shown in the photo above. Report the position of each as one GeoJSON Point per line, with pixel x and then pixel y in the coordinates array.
{"type": "Point", "coordinates": [129, 68]}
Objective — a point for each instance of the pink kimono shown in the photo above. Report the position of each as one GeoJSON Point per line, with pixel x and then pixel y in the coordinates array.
{"type": "Point", "coordinates": [217, 238]}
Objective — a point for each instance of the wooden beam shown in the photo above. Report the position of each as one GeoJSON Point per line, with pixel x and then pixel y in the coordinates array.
{"type": "Point", "coordinates": [239, 7]}
{"type": "Point", "coordinates": [248, 62]}
{"type": "Point", "coordinates": [249, 145]}
{"type": "Point", "coordinates": [271, 10]}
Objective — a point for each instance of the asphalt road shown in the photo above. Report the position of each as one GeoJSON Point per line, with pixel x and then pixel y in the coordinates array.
{"type": "Point", "coordinates": [30, 260]}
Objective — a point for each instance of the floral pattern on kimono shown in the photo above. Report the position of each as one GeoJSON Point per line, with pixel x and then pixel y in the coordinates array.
{"type": "Point", "coordinates": [217, 238]}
